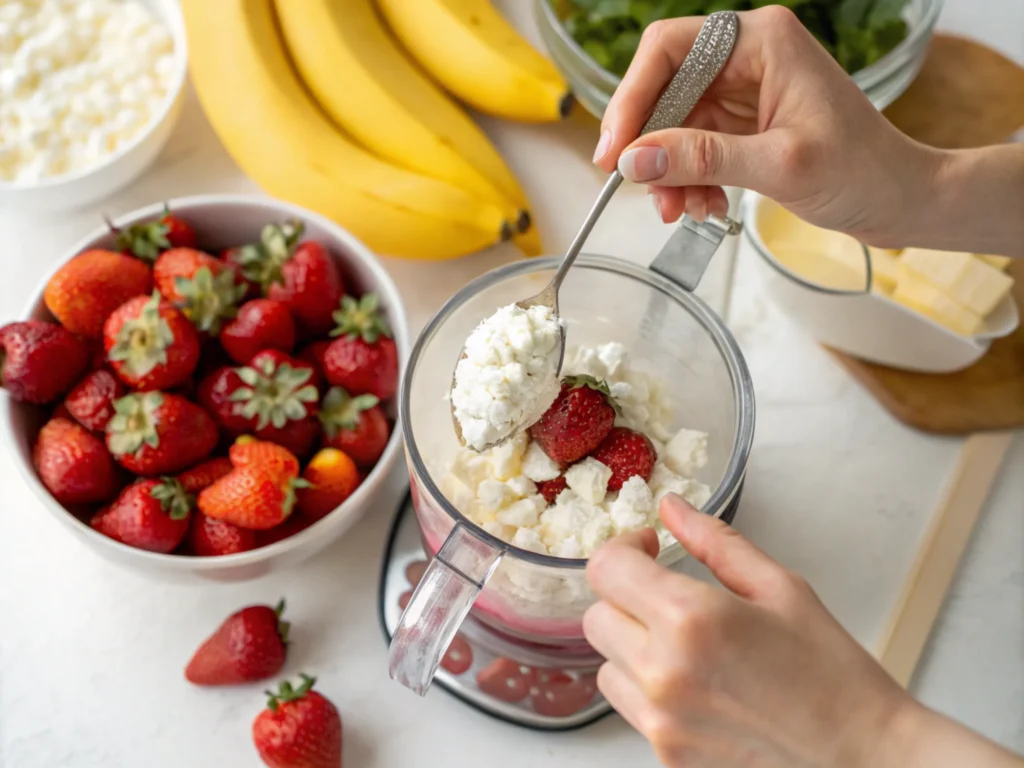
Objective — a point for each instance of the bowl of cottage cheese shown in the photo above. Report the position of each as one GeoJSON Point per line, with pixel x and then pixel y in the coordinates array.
{"type": "Point", "coordinates": [90, 91]}
{"type": "Point", "coordinates": [666, 362]}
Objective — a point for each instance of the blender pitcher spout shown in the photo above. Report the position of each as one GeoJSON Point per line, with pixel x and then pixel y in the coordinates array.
{"type": "Point", "coordinates": [440, 603]}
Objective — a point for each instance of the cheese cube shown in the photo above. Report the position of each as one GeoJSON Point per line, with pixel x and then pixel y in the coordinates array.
{"type": "Point", "coordinates": [925, 298]}
{"type": "Point", "coordinates": [999, 262]}
{"type": "Point", "coordinates": [972, 283]}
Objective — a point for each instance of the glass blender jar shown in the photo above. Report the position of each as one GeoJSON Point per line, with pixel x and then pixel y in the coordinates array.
{"type": "Point", "coordinates": [537, 599]}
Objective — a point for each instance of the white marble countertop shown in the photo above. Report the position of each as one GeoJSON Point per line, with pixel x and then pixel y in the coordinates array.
{"type": "Point", "coordinates": [91, 656]}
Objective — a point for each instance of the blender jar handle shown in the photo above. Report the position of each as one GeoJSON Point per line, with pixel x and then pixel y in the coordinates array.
{"type": "Point", "coordinates": [447, 591]}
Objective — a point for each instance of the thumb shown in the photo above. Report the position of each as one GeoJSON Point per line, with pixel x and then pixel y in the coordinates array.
{"type": "Point", "coordinates": [739, 565]}
{"type": "Point", "coordinates": [678, 157]}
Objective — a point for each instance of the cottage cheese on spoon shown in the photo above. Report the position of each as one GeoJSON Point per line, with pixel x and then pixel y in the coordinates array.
{"type": "Point", "coordinates": [508, 375]}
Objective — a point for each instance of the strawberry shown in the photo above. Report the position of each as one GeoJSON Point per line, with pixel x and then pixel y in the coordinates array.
{"type": "Point", "coordinates": [215, 395]}
{"type": "Point", "coordinates": [627, 453]}
{"type": "Point", "coordinates": [150, 344]}
{"type": "Point", "coordinates": [83, 293]}
{"type": "Point", "coordinates": [277, 399]}
{"type": "Point", "coordinates": [73, 464]}
{"type": "Point", "coordinates": [204, 474]}
{"type": "Point", "coordinates": [40, 361]}
{"type": "Point", "coordinates": [330, 477]}
{"type": "Point", "coordinates": [205, 288]}
{"type": "Point", "coordinates": [148, 239]}
{"type": "Point", "coordinates": [260, 324]}
{"type": "Point", "coordinates": [211, 538]}
{"type": "Point", "coordinates": [303, 276]}
{"type": "Point", "coordinates": [250, 645]}
{"type": "Point", "coordinates": [313, 353]}
{"type": "Point", "coordinates": [298, 729]}
{"type": "Point", "coordinates": [577, 421]}
{"type": "Point", "coordinates": [250, 498]}
{"type": "Point", "coordinates": [157, 433]}
{"type": "Point", "coordinates": [293, 525]}
{"type": "Point", "coordinates": [355, 425]}
{"type": "Point", "coordinates": [91, 401]}
{"type": "Point", "coordinates": [363, 359]}
{"type": "Point", "coordinates": [149, 514]}
{"type": "Point", "coordinates": [550, 489]}
{"type": "Point", "coordinates": [278, 461]}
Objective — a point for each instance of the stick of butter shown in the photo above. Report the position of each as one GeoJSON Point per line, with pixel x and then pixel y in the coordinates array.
{"type": "Point", "coordinates": [970, 282]}
{"type": "Point", "coordinates": [999, 262]}
{"type": "Point", "coordinates": [921, 296]}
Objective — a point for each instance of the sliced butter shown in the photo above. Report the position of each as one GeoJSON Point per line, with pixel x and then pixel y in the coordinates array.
{"type": "Point", "coordinates": [999, 262]}
{"type": "Point", "coordinates": [970, 282]}
{"type": "Point", "coordinates": [920, 296]}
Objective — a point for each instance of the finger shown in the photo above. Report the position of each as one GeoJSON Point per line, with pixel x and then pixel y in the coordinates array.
{"type": "Point", "coordinates": [662, 49]}
{"type": "Point", "coordinates": [678, 157]}
{"type": "Point", "coordinates": [739, 565]}
{"type": "Point", "coordinates": [632, 581]}
{"type": "Point", "coordinates": [672, 202]}
{"type": "Point", "coordinates": [718, 203]}
{"type": "Point", "coordinates": [624, 695]}
{"type": "Point", "coordinates": [697, 203]}
{"type": "Point", "coordinates": [615, 635]}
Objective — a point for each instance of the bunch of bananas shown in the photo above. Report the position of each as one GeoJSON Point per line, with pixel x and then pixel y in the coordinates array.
{"type": "Point", "coordinates": [317, 102]}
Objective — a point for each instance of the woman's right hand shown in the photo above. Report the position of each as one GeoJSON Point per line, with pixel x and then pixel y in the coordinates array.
{"type": "Point", "coordinates": [783, 119]}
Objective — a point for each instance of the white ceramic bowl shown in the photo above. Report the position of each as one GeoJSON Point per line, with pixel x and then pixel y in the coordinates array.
{"type": "Point", "coordinates": [75, 190]}
{"type": "Point", "coordinates": [872, 326]}
{"type": "Point", "coordinates": [223, 221]}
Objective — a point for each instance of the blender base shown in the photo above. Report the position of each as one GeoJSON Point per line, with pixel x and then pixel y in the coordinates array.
{"type": "Point", "coordinates": [521, 683]}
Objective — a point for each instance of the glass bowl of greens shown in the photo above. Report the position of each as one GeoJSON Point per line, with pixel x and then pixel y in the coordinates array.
{"type": "Point", "coordinates": [881, 43]}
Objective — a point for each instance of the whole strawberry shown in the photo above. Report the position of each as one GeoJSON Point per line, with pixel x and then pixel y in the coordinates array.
{"type": "Point", "coordinates": [149, 514]}
{"type": "Point", "coordinates": [250, 645]}
{"type": "Point", "coordinates": [83, 293]}
{"type": "Point", "coordinates": [215, 394]}
{"type": "Point", "coordinates": [150, 344]}
{"type": "Point", "coordinates": [355, 425]}
{"type": "Point", "coordinates": [157, 433]}
{"type": "Point", "coordinates": [39, 361]}
{"type": "Point", "coordinates": [91, 401]}
{"type": "Point", "coordinates": [204, 474]}
{"type": "Point", "coordinates": [250, 497]}
{"type": "Point", "coordinates": [260, 324]}
{"type": "Point", "coordinates": [301, 275]}
{"type": "Point", "coordinates": [272, 458]}
{"type": "Point", "coordinates": [205, 288]}
{"type": "Point", "coordinates": [212, 538]}
{"type": "Point", "coordinates": [330, 478]}
{"type": "Point", "coordinates": [577, 421]}
{"type": "Point", "coordinates": [147, 239]}
{"type": "Point", "coordinates": [363, 359]}
{"type": "Point", "coordinates": [73, 464]}
{"type": "Point", "coordinates": [298, 729]}
{"type": "Point", "coordinates": [627, 453]}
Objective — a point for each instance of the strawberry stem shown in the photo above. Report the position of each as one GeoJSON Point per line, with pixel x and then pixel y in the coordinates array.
{"type": "Point", "coordinates": [282, 626]}
{"type": "Point", "coordinates": [286, 693]}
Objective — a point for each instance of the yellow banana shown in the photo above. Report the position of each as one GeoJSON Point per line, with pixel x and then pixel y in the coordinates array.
{"type": "Point", "coordinates": [277, 135]}
{"type": "Point", "coordinates": [472, 50]}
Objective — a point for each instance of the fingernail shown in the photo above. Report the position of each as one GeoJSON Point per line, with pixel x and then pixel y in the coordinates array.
{"type": "Point", "coordinates": [603, 144]}
{"type": "Point", "coordinates": [643, 163]}
{"type": "Point", "coordinates": [657, 205]}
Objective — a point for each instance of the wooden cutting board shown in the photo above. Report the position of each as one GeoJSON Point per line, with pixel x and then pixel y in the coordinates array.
{"type": "Point", "coordinates": [967, 95]}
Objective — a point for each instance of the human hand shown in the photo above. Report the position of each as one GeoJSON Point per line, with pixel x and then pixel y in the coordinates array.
{"type": "Point", "coordinates": [783, 119]}
{"type": "Point", "coordinates": [759, 675]}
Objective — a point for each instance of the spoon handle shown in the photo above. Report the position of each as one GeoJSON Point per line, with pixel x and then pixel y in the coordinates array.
{"type": "Point", "coordinates": [701, 66]}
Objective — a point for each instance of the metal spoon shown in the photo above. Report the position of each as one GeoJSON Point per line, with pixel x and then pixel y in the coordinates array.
{"type": "Point", "coordinates": [701, 66]}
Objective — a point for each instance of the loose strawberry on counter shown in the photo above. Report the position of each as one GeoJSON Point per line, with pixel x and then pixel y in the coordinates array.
{"type": "Point", "coordinates": [212, 538]}
{"type": "Point", "coordinates": [260, 324]}
{"type": "Point", "coordinates": [298, 729]}
{"type": "Point", "coordinates": [157, 433]}
{"type": "Point", "coordinates": [40, 361]}
{"type": "Point", "coordinates": [206, 288]}
{"type": "Point", "coordinates": [250, 645]}
{"type": "Point", "coordinates": [150, 344]}
{"type": "Point", "coordinates": [355, 425]}
{"type": "Point", "coordinates": [330, 477]}
{"type": "Point", "coordinates": [149, 514]}
{"type": "Point", "coordinates": [147, 239]}
{"type": "Point", "coordinates": [301, 275]}
{"type": "Point", "coordinates": [577, 421]}
{"type": "Point", "coordinates": [627, 453]}
{"type": "Point", "coordinates": [204, 474]}
{"type": "Point", "coordinates": [363, 359]}
{"type": "Point", "coordinates": [73, 464]}
{"type": "Point", "coordinates": [83, 293]}
{"type": "Point", "coordinates": [91, 401]}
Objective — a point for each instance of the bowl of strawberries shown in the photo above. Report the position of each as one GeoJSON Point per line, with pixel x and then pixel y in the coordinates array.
{"type": "Point", "coordinates": [207, 387]}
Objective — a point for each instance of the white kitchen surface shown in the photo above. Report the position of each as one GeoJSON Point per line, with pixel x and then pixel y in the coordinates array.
{"type": "Point", "coordinates": [91, 657]}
